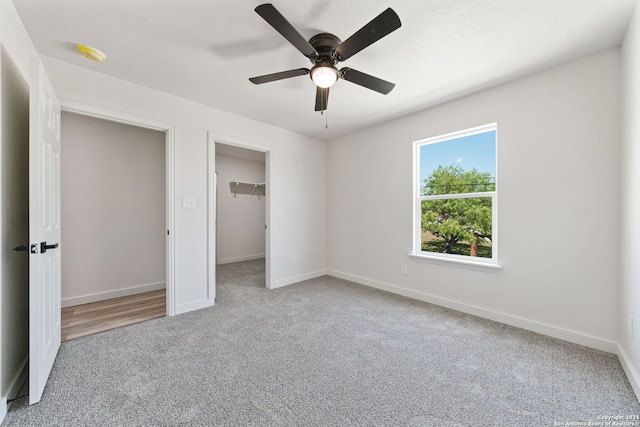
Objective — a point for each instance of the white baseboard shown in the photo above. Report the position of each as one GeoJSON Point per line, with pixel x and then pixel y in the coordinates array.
{"type": "Point", "coordinates": [300, 278]}
{"type": "Point", "coordinates": [632, 374]}
{"type": "Point", "coordinates": [101, 296]}
{"type": "Point", "coordinates": [18, 379]}
{"type": "Point", "coordinates": [542, 328]}
{"type": "Point", "coordinates": [241, 258]}
{"type": "Point", "coordinates": [14, 387]}
{"type": "Point", "coordinates": [3, 408]}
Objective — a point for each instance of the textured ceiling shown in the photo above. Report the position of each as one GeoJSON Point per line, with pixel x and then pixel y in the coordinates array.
{"type": "Point", "coordinates": [205, 50]}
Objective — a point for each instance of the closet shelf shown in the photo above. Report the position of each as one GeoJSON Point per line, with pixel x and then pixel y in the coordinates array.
{"type": "Point", "coordinates": [250, 188]}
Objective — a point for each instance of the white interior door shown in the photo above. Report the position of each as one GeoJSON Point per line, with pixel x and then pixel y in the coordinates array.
{"type": "Point", "coordinates": [44, 230]}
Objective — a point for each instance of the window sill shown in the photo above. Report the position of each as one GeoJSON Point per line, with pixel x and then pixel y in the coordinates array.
{"type": "Point", "coordinates": [456, 262]}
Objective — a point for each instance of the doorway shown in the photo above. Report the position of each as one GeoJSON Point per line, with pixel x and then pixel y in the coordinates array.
{"type": "Point", "coordinates": [240, 209]}
{"type": "Point", "coordinates": [116, 222]}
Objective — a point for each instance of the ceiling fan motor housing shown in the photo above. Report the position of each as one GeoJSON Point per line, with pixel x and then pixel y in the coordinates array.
{"type": "Point", "coordinates": [325, 44]}
{"type": "Point", "coordinates": [325, 50]}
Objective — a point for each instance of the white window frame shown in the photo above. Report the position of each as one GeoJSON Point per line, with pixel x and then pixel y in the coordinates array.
{"type": "Point", "coordinates": [453, 259]}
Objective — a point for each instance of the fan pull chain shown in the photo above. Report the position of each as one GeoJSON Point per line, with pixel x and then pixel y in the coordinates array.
{"type": "Point", "coordinates": [326, 119]}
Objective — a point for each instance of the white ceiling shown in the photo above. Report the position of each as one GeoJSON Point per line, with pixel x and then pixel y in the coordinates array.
{"type": "Point", "coordinates": [205, 50]}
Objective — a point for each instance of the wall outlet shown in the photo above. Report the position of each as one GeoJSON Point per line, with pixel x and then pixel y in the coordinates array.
{"type": "Point", "coordinates": [630, 326]}
{"type": "Point", "coordinates": [403, 270]}
{"type": "Point", "coordinates": [294, 261]}
{"type": "Point", "coordinates": [188, 202]}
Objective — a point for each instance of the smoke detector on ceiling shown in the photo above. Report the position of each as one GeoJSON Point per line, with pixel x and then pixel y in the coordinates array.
{"type": "Point", "coordinates": [92, 54]}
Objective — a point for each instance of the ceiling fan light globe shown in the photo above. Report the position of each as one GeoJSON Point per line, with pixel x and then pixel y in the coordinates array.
{"type": "Point", "coordinates": [324, 76]}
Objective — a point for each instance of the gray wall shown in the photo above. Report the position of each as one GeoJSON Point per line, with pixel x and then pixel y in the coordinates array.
{"type": "Point", "coordinates": [113, 209]}
{"type": "Point", "coordinates": [558, 171]}
{"type": "Point", "coordinates": [14, 211]}
{"type": "Point", "coordinates": [241, 219]}
{"type": "Point", "coordinates": [15, 50]}
{"type": "Point", "coordinates": [629, 295]}
{"type": "Point", "coordinates": [299, 177]}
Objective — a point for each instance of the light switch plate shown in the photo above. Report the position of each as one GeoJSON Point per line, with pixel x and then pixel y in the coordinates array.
{"type": "Point", "coordinates": [188, 202]}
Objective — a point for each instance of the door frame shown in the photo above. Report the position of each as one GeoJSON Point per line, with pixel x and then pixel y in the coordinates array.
{"type": "Point", "coordinates": [75, 107]}
{"type": "Point", "coordinates": [212, 139]}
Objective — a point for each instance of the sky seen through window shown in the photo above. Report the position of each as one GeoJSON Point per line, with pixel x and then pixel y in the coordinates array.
{"type": "Point", "coordinates": [469, 152]}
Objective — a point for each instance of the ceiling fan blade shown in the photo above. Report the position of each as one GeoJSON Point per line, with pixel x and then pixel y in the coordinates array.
{"type": "Point", "coordinates": [322, 98]}
{"type": "Point", "coordinates": [279, 76]}
{"type": "Point", "coordinates": [270, 14]}
{"type": "Point", "coordinates": [383, 24]}
{"type": "Point", "coordinates": [366, 80]}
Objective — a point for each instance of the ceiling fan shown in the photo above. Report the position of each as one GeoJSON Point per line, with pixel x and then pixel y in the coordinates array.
{"type": "Point", "coordinates": [326, 50]}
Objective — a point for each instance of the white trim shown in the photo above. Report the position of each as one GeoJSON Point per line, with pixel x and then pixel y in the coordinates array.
{"type": "Point", "coordinates": [3, 408]}
{"type": "Point", "coordinates": [170, 182]}
{"type": "Point", "coordinates": [94, 111]}
{"type": "Point", "coordinates": [518, 322]}
{"type": "Point", "coordinates": [18, 380]}
{"type": "Point", "coordinates": [458, 134]}
{"type": "Point", "coordinates": [212, 213]}
{"type": "Point", "coordinates": [71, 106]}
{"type": "Point", "coordinates": [101, 296]}
{"type": "Point", "coordinates": [269, 254]}
{"type": "Point", "coordinates": [14, 388]}
{"type": "Point", "coordinates": [451, 259]}
{"type": "Point", "coordinates": [300, 278]}
{"type": "Point", "coordinates": [3, 400]}
{"type": "Point", "coordinates": [632, 374]}
{"type": "Point", "coordinates": [490, 194]}
{"type": "Point", "coordinates": [227, 140]}
{"type": "Point", "coordinates": [240, 259]}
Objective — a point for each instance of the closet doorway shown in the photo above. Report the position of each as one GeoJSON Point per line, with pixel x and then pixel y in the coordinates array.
{"type": "Point", "coordinates": [240, 211]}
{"type": "Point", "coordinates": [114, 224]}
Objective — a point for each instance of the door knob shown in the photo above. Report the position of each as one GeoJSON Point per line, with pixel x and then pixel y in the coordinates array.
{"type": "Point", "coordinates": [44, 247]}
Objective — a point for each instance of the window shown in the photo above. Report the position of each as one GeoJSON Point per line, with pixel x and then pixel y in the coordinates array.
{"type": "Point", "coordinates": [455, 192]}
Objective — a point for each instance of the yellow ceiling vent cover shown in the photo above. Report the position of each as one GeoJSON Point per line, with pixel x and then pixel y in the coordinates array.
{"type": "Point", "coordinates": [92, 54]}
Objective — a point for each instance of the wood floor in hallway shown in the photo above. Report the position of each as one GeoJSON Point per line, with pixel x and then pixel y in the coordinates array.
{"type": "Point", "coordinates": [87, 319]}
